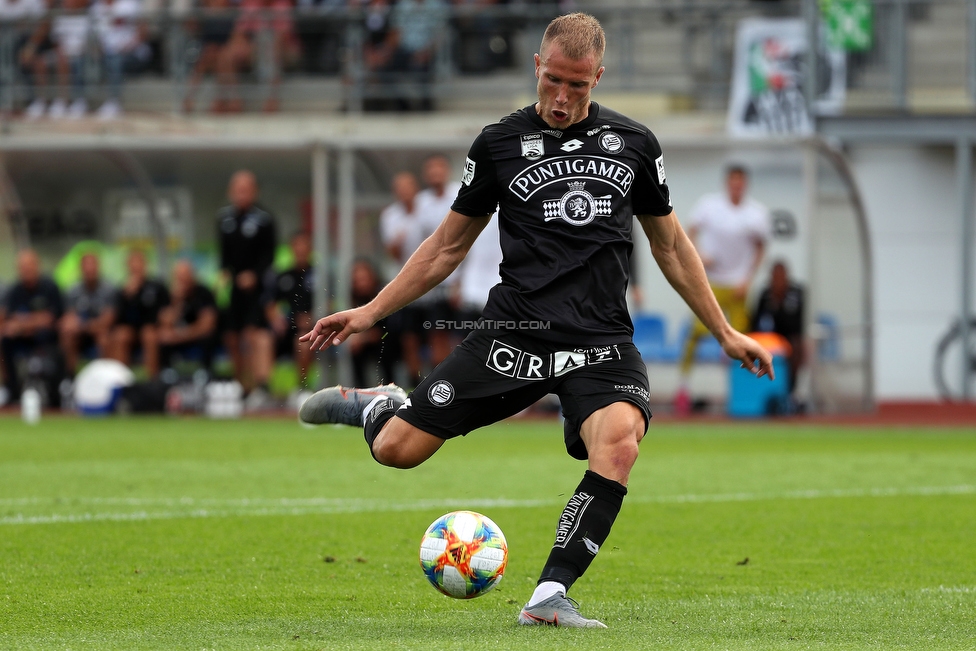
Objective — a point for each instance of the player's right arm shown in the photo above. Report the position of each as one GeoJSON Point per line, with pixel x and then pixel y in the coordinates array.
{"type": "Point", "coordinates": [431, 263]}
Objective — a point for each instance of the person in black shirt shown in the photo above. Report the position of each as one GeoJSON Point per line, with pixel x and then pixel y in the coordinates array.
{"type": "Point", "coordinates": [188, 325]}
{"type": "Point", "coordinates": [32, 308]}
{"type": "Point", "coordinates": [89, 314]}
{"type": "Point", "coordinates": [374, 345]}
{"type": "Point", "coordinates": [137, 306]}
{"type": "Point", "coordinates": [248, 240]}
{"type": "Point", "coordinates": [780, 310]}
{"type": "Point", "coordinates": [567, 177]}
{"type": "Point", "coordinates": [289, 305]}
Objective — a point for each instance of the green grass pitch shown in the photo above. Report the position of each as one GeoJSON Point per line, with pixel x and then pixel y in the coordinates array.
{"type": "Point", "coordinates": [258, 534]}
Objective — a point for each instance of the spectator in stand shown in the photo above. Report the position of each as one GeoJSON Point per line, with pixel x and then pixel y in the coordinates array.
{"type": "Point", "coordinates": [780, 310]}
{"type": "Point", "coordinates": [288, 306]}
{"type": "Point", "coordinates": [433, 203]}
{"type": "Point", "coordinates": [379, 50]}
{"type": "Point", "coordinates": [20, 17]}
{"type": "Point", "coordinates": [214, 30]}
{"type": "Point", "coordinates": [418, 24]}
{"type": "Point", "coordinates": [729, 230]}
{"type": "Point", "coordinates": [34, 56]}
{"type": "Point", "coordinates": [402, 230]}
{"type": "Point", "coordinates": [32, 308]}
{"type": "Point", "coordinates": [475, 31]}
{"type": "Point", "coordinates": [373, 345]}
{"type": "Point", "coordinates": [137, 306]}
{"type": "Point", "coordinates": [230, 47]}
{"type": "Point", "coordinates": [69, 33]}
{"type": "Point", "coordinates": [89, 313]}
{"type": "Point", "coordinates": [122, 41]}
{"type": "Point", "coordinates": [248, 240]}
{"type": "Point", "coordinates": [242, 51]}
{"type": "Point", "coordinates": [188, 325]}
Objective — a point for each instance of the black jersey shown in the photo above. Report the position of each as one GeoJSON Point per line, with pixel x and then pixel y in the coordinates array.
{"type": "Point", "coordinates": [199, 299]}
{"type": "Point", "coordinates": [784, 317]}
{"type": "Point", "coordinates": [42, 297]}
{"type": "Point", "coordinates": [247, 239]}
{"type": "Point", "coordinates": [143, 307]}
{"type": "Point", "coordinates": [566, 201]}
{"type": "Point", "coordinates": [293, 287]}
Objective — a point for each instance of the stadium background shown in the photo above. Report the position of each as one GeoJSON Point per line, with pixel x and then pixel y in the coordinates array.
{"type": "Point", "coordinates": [873, 201]}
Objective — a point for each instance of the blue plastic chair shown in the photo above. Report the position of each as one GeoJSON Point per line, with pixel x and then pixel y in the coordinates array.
{"type": "Point", "coordinates": [828, 347]}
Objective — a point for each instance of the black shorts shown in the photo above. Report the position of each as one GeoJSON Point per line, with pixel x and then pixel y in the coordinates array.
{"type": "Point", "coordinates": [408, 319]}
{"type": "Point", "coordinates": [494, 375]}
{"type": "Point", "coordinates": [246, 310]}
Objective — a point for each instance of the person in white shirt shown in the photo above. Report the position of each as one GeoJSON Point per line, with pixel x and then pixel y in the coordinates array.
{"type": "Point", "coordinates": [729, 231]}
{"type": "Point", "coordinates": [121, 39]}
{"type": "Point", "coordinates": [479, 272]}
{"type": "Point", "coordinates": [433, 203]}
{"type": "Point", "coordinates": [402, 231]}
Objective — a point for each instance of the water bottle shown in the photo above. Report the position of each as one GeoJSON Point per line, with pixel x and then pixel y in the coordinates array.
{"type": "Point", "coordinates": [30, 406]}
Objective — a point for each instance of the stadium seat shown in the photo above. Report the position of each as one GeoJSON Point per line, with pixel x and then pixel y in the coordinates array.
{"type": "Point", "coordinates": [708, 349]}
{"type": "Point", "coordinates": [650, 337]}
{"type": "Point", "coordinates": [827, 338]}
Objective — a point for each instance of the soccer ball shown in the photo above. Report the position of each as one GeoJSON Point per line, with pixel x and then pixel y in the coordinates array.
{"type": "Point", "coordinates": [463, 554]}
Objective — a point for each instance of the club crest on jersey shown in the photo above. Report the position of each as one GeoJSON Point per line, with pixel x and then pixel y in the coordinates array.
{"type": "Point", "coordinates": [610, 142]}
{"type": "Point", "coordinates": [577, 207]}
{"type": "Point", "coordinates": [532, 146]}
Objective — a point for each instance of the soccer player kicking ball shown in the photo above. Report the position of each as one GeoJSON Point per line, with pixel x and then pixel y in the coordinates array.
{"type": "Point", "coordinates": [567, 176]}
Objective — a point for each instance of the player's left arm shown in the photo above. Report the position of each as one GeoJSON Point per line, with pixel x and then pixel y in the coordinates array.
{"type": "Point", "coordinates": [679, 262]}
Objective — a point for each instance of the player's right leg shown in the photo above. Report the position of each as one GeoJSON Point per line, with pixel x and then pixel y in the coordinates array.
{"type": "Point", "coordinates": [462, 394]}
{"type": "Point", "coordinates": [392, 441]}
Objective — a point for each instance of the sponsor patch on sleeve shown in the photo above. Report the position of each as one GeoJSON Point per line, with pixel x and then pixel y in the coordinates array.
{"type": "Point", "coordinates": [468, 175]}
{"type": "Point", "coordinates": [662, 178]}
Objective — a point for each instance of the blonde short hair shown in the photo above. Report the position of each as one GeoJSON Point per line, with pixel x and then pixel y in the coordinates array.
{"type": "Point", "coordinates": [578, 35]}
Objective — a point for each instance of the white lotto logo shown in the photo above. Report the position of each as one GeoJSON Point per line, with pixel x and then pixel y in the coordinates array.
{"type": "Point", "coordinates": [468, 174]}
{"type": "Point", "coordinates": [610, 142]}
{"type": "Point", "coordinates": [441, 393]}
{"type": "Point", "coordinates": [572, 145]}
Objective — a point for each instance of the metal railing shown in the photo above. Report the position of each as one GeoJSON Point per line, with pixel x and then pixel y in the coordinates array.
{"type": "Point", "coordinates": [923, 52]}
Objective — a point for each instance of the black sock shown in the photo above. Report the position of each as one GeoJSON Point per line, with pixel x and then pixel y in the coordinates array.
{"type": "Point", "coordinates": [381, 412]}
{"type": "Point", "coordinates": [583, 526]}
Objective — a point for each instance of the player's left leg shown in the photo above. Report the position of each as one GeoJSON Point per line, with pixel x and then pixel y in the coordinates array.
{"type": "Point", "coordinates": [611, 436]}
{"type": "Point", "coordinates": [606, 411]}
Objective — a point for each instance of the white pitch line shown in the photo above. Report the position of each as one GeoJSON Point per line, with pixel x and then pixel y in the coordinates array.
{"type": "Point", "coordinates": [256, 507]}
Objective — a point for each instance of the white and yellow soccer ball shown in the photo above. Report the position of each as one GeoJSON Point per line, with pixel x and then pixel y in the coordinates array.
{"type": "Point", "coordinates": [463, 554]}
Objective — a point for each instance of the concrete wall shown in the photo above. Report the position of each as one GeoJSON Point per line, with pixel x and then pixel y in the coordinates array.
{"type": "Point", "coordinates": [914, 218]}
{"type": "Point", "coordinates": [911, 199]}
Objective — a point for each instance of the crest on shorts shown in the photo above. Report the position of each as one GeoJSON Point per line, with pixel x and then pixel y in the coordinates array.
{"type": "Point", "coordinates": [441, 393]}
{"type": "Point", "coordinates": [577, 207]}
{"type": "Point", "coordinates": [533, 147]}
